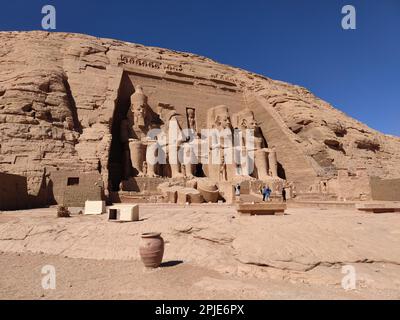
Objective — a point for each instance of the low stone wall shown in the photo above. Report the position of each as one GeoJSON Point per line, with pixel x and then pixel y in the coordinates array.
{"type": "Point", "coordinates": [72, 189]}
{"type": "Point", "coordinates": [350, 186]}
{"type": "Point", "coordinates": [385, 189]}
{"type": "Point", "coordinates": [13, 192]}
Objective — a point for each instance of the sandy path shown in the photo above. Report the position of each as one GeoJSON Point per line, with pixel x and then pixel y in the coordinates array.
{"type": "Point", "coordinates": [90, 279]}
{"type": "Point", "coordinates": [224, 256]}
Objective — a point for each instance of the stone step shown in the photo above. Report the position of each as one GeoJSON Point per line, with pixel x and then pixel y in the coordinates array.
{"type": "Point", "coordinates": [379, 207]}
{"type": "Point", "coordinates": [265, 208]}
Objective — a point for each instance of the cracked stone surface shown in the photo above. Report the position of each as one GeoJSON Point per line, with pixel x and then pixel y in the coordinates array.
{"type": "Point", "coordinates": [308, 246]}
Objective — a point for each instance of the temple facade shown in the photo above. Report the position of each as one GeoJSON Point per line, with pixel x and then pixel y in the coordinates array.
{"type": "Point", "coordinates": [128, 123]}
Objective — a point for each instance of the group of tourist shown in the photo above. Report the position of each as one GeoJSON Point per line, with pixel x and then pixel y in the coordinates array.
{"type": "Point", "coordinates": [265, 191]}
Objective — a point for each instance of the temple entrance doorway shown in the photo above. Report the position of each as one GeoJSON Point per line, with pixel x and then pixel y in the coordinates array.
{"type": "Point", "coordinates": [116, 159]}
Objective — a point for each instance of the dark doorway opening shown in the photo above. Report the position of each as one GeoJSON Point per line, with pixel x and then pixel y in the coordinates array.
{"type": "Point", "coordinates": [73, 181]}
{"type": "Point", "coordinates": [115, 164]}
{"type": "Point", "coordinates": [198, 171]}
{"type": "Point", "coordinates": [281, 171]}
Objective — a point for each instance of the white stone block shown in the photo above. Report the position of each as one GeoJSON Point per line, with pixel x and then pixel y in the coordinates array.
{"type": "Point", "coordinates": [95, 207]}
{"type": "Point", "coordinates": [125, 212]}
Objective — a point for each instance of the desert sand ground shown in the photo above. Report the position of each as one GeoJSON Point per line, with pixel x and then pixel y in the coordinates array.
{"type": "Point", "coordinates": [211, 253]}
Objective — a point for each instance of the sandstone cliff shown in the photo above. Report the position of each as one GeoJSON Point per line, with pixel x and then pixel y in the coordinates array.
{"type": "Point", "coordinates": [59, 94]}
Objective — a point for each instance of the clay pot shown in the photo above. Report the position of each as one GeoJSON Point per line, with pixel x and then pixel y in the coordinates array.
{"type": "Point", "coordinates": [208, 190]}
{"type": "Point", "coordinates": [151, 249]}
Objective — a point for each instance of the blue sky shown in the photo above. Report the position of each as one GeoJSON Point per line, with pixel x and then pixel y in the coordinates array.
{"type": "Point", "coordinates": [298, 41]}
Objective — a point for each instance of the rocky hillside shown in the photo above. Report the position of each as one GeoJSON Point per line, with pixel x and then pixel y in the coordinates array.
{"type": "Point", "coordinates": [58, 93]}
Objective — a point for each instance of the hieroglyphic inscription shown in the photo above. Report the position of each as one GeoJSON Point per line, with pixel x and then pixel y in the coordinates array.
{"type": "Point", "coordinates": [146, 63]}
{"type": "Point", "coordinates": [227, 78]}
{"type": "Point", "coordinates": [162, 66]}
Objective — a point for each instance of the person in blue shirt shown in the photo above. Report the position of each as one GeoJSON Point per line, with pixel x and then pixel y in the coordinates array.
{"type": "Point", "coordinates": [266, 193]}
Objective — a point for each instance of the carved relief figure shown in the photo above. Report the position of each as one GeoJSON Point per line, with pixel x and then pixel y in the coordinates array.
{"type": "Point", "coordinates": [191, 119]}
{"type": "Point", "coordinates": [144, 169]}
{"type": "Point", "coordinates": [222, 169]}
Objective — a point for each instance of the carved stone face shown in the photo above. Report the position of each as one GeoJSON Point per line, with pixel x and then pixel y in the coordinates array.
{"type": "Point", "coordinates": [139, 110]}
{"type": "Point", "coordinates": [223, 121]}
{"type": "Point", "coordinates": [252, 124]}
{"type": "Point", "coordinates": [191, 119]}
{"type": "Point", "coordinates": [249, 123]}
{"type": "Point", "coordinates": [190, 113]}
{"type": "Point", "coordinates": [139, 116]}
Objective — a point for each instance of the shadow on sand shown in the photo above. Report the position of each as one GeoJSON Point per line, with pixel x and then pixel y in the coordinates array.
{"type": "Point", "coordinates": [171, 263]}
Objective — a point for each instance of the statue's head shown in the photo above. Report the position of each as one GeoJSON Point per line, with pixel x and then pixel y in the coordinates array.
{"type": "Point", "coordinates": [249, 123]}
{"type": "Point", "coordinates": [222, 119]}
{"type": "Point", "coordinates": [139, 100]}
{"type": "Point", "coordinates": [245, 120]}
{"type": "Point", "coordinates": [139, 106]}
{"type": "Point", "coordinates": [139, 110]}
{"type": "Point", "coordinates": [190, 113]}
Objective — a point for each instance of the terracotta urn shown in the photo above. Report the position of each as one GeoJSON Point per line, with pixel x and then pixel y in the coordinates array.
{"type": "Point", "coordinates": [208, 190]}
{"type": "Point", "coordinates": [151, 249]}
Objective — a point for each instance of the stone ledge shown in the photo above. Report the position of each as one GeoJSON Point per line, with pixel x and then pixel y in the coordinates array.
{"type": "Point", "coordinates": [261, 208]}
{"type": "Point", "coordinates": [379, 207]}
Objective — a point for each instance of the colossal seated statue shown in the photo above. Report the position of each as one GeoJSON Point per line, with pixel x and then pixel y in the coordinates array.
{"type": "Point", "coordinates": [220, 142]}
{"type": "Point", "coordinates": [170, 139]}
{"type": "Point", "coordinates": [265, 160]}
